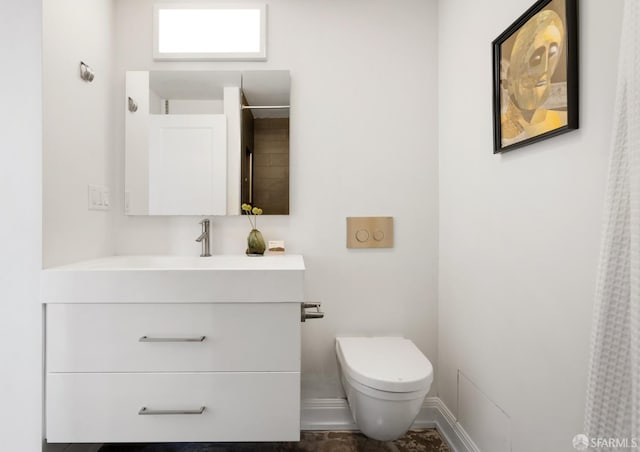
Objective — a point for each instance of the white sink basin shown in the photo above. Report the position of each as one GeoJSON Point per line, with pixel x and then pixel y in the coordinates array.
{"type": "Point", "coordinates": [176, 279]}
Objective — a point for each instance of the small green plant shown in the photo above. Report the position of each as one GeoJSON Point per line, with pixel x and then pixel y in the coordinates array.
{"type": "Point", "coordinates": [252, 213]}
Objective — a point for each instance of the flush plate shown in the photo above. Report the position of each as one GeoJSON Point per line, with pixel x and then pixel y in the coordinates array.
{"type": "Point", "coordinates": [369, 232]}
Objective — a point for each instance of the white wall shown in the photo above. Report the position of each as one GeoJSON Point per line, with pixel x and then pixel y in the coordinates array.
{"type": "Point", "coordinates": [520, 232]}
{"type": "Point", "coordinates": [363, 142]}
{"type": "Point", "coordinates": [78, 128]}
{"type": "Point", "coordinates": [21, 226]}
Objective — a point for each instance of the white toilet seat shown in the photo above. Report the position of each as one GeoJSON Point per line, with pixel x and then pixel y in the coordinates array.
{"type": "Point", "coordinates": [385, 364]}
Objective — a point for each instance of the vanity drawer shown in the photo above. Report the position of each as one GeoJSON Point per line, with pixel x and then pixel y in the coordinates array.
{"type": "Point", "coordinates": [244, 406]}
{"type": "Point", "coordinates": [173, 337]}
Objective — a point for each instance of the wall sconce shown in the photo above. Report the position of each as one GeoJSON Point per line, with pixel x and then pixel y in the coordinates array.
{"type": "Point", "coordinates": [86, 73]}
{"type": "Point", "coordinates": [133, 107]}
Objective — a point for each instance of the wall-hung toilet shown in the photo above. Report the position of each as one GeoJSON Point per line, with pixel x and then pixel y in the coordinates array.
{"type": "Point", "coordinates": [386, 380]}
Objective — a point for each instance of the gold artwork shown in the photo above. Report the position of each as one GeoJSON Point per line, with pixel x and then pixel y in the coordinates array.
{"type": "Point", "coordinates": [533, 77]}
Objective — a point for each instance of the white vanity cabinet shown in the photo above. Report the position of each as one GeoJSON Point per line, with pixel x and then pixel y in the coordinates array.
{"type": "Point", "coordinates": [176, 371]}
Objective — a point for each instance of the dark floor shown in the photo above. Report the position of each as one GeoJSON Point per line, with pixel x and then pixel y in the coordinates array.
{"type": "Point", "coordinates": [414, 441]}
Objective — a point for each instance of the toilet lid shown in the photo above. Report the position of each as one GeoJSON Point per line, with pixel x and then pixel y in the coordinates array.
{"type": "Point", "coordinates": [391, 364]}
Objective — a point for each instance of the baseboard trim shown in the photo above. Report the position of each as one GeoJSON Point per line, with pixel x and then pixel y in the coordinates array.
{"type": "Point", "coordinates": [334, 414]}
{"type": "Point", "coordinates": [76, 447]}
{"type": "Point", "coordinates": [449, 427]}
{"type": "Point", "coordinates": [84, 448]}
{"type": "Point", "coordinates": [326, 414]}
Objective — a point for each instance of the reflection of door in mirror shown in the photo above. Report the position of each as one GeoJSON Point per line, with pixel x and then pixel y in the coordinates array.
{"type": "Point", "coordinates": [183, 163]}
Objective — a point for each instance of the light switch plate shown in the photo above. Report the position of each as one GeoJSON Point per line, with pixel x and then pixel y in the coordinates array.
{"type": "Point", "coordinates": [369, 232]}
{"type": "Point", "coordinates": [99, 197]}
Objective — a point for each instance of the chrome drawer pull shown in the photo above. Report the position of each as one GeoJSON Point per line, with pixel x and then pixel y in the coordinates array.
{"type": "Point", "coordinates": [172, 339]}
{"type": "Point", "coordinates": [144, 411]}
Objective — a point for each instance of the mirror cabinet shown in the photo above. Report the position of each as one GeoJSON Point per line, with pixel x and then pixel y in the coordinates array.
{"type": "Point", "coordinates": [204, 142]}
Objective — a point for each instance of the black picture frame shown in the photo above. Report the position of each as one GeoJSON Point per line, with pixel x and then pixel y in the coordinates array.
{"type": "Point", "coordinates": [535, 39]}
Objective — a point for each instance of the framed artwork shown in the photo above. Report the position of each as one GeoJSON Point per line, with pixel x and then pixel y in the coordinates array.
{"type": "Point", "coordinates": [535, 76]}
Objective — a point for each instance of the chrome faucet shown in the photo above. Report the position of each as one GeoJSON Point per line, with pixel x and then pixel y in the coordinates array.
{"type": "Point", "coordinates": [204, 238]}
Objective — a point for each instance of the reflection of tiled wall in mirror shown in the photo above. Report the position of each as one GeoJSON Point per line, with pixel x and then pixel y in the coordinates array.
{"type": "Point", "coordinates": [271, 165]}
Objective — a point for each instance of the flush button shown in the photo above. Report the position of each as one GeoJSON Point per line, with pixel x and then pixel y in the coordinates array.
{"type": "Point", "coordinates": [362, 235]}
{"type": "Point", "coordinates": [369, 232]}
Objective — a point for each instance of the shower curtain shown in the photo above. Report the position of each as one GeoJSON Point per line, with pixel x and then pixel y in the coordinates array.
{"type": "Point", "coordinates": [613, 392]}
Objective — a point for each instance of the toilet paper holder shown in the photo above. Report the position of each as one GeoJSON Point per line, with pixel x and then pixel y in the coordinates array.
{"type": "Point", "coordinates": [304, 315]}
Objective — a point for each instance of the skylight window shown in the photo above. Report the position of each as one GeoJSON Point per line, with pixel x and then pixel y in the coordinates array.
{"type": "Point", "coordinates": [209, 31]}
